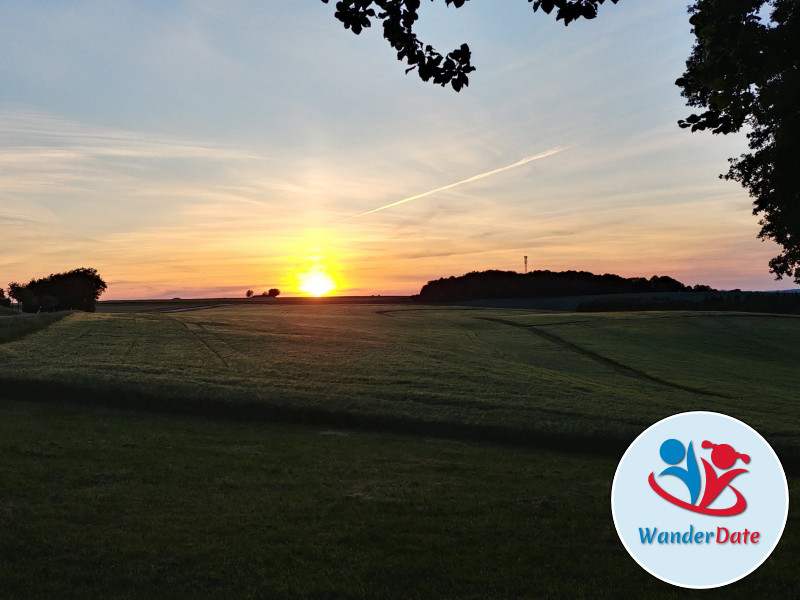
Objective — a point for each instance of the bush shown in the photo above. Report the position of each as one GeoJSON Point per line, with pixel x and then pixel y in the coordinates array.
{"type": "Point", "coordinates": [78, 289]}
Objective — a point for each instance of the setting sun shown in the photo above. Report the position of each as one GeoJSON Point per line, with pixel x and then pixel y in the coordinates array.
{"type": "Point", "coordinates": [316, 283]}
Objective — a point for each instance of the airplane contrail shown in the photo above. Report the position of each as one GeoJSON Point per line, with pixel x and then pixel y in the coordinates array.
{"type": "Point", "coordinates": [450, 186]}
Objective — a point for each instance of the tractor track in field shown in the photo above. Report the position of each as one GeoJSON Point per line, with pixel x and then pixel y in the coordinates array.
{"type": "Point", "coordinates": [205, 343]}
{"type": "Point", "coordinates": [131, 347]}
{"type": "Point", "coordinates": [185, 308]}
{"type": "Point", "coordinates": [604, 360]}
{"type": "Point", "coordinates": [204, 327]}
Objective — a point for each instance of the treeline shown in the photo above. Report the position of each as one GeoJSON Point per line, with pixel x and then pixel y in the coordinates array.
{"type": "Point", "coordinates": [536, 284]}
{"type": "Point", "coordinates": [764, 302]}
{"type": "Point", "coordinates": [78, 289]}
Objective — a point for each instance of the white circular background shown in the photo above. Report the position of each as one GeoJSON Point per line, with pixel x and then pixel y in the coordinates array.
{"type": "Point", "coordinates": [635, 505]}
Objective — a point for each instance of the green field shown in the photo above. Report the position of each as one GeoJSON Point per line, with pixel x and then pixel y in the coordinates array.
{"type": "Point", "coordinates": [360, 451]}
{"type": "Point", "coordinates": [15, 326]}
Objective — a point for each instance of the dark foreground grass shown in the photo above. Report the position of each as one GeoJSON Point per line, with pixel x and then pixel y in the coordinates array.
{"type": "Point", "coordinates": [102, 503]}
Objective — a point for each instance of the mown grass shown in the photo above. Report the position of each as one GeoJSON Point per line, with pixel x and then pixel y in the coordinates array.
{"type": "Point", "coordinates": [100, 503]}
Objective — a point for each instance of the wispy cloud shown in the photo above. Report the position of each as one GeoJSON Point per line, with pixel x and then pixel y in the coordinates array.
{"type": "Point", "coordinates": [27, 135]}
{"type": "Point", "coordinates": [450, 186]}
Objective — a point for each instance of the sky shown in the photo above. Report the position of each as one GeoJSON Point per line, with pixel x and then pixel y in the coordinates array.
{"type": "Point", "coordinates": [203, 148]}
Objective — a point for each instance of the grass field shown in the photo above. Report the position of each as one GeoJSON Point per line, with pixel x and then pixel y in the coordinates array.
{"type": "Point", "coordinates": [264, 451]}
{"type": "Point", "coordinates": [14, 326]}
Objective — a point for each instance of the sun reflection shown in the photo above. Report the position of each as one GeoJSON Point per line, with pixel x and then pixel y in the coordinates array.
{"type": "Point", "coordinates": [316, 282]}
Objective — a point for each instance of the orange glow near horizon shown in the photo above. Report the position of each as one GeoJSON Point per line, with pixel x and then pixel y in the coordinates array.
{"type": "Point", "coordinates": [316, 282]}
{"type": "Point", "coordinates": [319, 253]}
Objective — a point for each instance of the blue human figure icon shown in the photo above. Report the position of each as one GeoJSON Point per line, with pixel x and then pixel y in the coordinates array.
{"type": "Point", "coordinates": [672, 452]}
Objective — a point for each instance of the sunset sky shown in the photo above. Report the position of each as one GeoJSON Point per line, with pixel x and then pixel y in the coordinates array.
{"type": "Point", "coordinates": [203, 148]}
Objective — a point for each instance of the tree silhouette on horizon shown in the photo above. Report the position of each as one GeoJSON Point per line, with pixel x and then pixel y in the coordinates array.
{"type": "Point", "coordinates": [78, 289]}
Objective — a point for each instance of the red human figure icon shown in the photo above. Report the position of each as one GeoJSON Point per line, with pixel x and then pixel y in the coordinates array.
{"type": "Point", "coordinates": [724, 457]}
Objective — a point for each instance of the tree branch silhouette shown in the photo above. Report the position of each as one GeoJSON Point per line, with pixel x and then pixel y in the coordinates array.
{"type": "Point", "coordinates": [399, 16]}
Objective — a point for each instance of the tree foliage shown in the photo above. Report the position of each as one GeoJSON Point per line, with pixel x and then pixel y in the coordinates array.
{"type": "Point", "coordinates": [399, 16]}
{"type": "Point", "coordinates": [537, 284]}
{"type": "Point", "coordinates": [78, 289]}
{"type": "Point", "coordinates": [4, 301]}
{"type": "Point", "coordinates": [274, 292]}
{"type": "Point", "coordinates": [744, 71]}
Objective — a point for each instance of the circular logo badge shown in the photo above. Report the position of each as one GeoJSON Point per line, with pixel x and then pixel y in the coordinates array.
{"type": "Point", "coordinates": [700, 500]}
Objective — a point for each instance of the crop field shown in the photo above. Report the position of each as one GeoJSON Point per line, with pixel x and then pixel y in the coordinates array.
{"type": "Point", "coordinates": [358, 451]}
{"type": "Point", "coordinates": [14, 326]}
